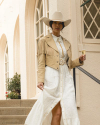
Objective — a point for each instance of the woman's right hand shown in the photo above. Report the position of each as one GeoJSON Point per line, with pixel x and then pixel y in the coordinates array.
{"type": "Point", "coordinates": [40, 85]}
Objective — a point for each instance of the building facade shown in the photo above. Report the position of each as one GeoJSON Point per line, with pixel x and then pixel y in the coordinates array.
{"type": "Point", "coordinates": [21, 27]}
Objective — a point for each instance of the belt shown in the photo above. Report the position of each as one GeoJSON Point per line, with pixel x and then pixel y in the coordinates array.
{"type": "Point", "coordinates": [62, 61]}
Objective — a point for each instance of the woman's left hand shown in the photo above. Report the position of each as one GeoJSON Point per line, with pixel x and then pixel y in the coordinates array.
{"type": "Point", "coordinates": [82, 57]}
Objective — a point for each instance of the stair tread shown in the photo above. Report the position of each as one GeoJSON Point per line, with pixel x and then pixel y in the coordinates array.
{"type": "Point", "coordinates": [17, 103]}
{"type": "Point", "coordinates": [11, 124]}
{"type": "Point", "coordinates": [12, 116]}
{"type": "Point", "coordinates": [15, 107]}
{"type": "Point", "coordinates": [14, 112]}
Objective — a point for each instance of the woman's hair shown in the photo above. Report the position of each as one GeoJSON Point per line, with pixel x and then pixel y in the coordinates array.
{"type": "Point", "coordinates": [51, 22]}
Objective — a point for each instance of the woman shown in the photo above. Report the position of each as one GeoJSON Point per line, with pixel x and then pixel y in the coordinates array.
{"type": "Point", "coordinates": [56, 104]}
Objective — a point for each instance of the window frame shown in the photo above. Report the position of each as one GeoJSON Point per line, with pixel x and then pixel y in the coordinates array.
{"type": "Point", "coordinates": [87, 40]}
{"type": "Point", "coordinates": [39, 20]}
{"type": "Point", "coordinates": [47, 15]}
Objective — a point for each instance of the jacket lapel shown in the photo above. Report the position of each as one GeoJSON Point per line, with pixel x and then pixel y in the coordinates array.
{"type": "Point", "coordinates": [50, 41]}
{"type": "Point", "coordinates": [66, 43]}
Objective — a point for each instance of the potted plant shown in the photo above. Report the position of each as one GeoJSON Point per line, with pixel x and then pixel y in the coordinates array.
{"type": "Point", "coordinates": [14, 87]}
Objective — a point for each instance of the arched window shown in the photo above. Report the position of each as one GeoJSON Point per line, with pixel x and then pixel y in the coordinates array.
{"type": "Point", "coordinates": [42, 9]}
{"type": "Point", "coordinates": [6, 65]}
{"type": "Point", "coordinates": [91, 21]}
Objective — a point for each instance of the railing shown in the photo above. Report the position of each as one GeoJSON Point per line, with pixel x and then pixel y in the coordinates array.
{"type": "Point", "coordinates": [87, 1]}
{"type": "Point", "coordinates": [85, 72]}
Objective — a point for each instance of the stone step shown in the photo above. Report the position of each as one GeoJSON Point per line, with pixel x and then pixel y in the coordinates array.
{"type": "Point", "coordinates": [14, 110]}
{"type": "Point", "coordinates": [11, 124]}
{"type": "Point", "coordinates": [12, 119]}
{"type": "Point", "coordinates": [17, 103]}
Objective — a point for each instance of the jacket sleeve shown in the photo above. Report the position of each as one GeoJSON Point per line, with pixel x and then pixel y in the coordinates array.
{"type": "Point", "coordinates": [41, 60]}
{"type": "Point", "coordinates": [75, 62]}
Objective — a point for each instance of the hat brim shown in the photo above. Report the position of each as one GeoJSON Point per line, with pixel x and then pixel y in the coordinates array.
{"type": "Point", "coordinates": [47, 20]}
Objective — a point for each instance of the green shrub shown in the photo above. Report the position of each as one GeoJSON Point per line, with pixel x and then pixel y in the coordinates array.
{"type": "Point", "coordinates": [14, 86]}
{"type": "Point", "coordinates": [13, 95]}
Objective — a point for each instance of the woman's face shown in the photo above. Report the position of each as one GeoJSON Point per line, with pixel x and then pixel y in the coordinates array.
{"type": "Point", "coordinates": [57, 26]}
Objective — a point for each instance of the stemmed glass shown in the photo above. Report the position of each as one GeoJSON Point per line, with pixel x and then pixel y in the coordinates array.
{"type": "Point", "coordinates": [83, 50]}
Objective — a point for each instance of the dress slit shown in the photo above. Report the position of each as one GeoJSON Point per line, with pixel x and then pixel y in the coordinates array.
{"type": "Point", "coordinates": [49, 112]}
{"type": "Point", "coordinates": [49, 115]}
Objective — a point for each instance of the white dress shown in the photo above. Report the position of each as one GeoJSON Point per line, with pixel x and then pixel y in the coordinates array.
{"type": "Point", "coordinates": [58, 86]}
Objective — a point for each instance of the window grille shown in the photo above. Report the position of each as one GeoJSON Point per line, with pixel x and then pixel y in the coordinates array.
{"type": "Point", "coordinates": [48, 28]}
{"type": "Point", "coordinates": [39, 20]}
{"type": "Point", "coordinates": [91, 19]}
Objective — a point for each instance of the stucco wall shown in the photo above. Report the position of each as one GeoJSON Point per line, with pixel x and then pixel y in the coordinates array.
{"type": "Point", "coordinates": [89, 110]}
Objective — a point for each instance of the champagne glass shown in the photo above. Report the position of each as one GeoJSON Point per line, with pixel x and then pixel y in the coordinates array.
{"type": "Point", "coordinates": [83, 50]}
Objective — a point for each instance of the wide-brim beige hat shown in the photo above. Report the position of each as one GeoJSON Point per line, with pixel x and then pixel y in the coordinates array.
{"type": "Point", "coordinates": [57, 16]}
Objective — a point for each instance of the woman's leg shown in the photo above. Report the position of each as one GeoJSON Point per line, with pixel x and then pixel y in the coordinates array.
{"type": "Point", "coordinates": [56, 115]}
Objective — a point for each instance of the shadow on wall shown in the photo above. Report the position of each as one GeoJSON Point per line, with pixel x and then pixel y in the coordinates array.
{"type": "Point", "coordinates": [3, 46]}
